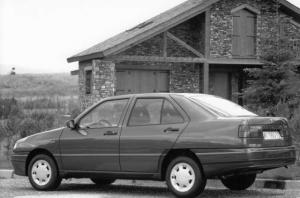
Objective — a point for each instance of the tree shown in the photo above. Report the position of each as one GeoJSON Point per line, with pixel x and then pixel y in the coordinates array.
{"type": "Point", "coordinates": [274, 89]}
{"type": "Point", "coordinates": [275, 84]}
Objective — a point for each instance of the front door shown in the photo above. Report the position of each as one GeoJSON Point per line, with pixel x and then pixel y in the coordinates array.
{"type": "Point", "coordinates": [95, 145]}
{"type": "Point", "coordinates": [152, 129]}
{"type": "Point", "coordinates": [220, 84]}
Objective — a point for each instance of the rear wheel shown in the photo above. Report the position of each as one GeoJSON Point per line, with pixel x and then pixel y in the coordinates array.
{"type": "Point", "coordinates": [102, 182]}
{"type": "Point", "coordinates": [239, 182]}
{"type": "Point", "coordinates": [185, 178]}
{"type": "Point", "coordinates": [43, 173]}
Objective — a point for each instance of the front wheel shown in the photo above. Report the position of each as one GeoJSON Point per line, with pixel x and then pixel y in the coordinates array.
{"type": "Point", "coordinates": [102, 182]}
{"type": "Point", "coordinates": [43, 173]}
{"type": "Point", "coordinates": [184, 178]}
{"type": "Point", "coordinates": [239, 182]}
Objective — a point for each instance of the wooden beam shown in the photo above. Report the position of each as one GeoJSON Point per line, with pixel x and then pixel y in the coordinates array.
{"type": "Point", "coordinates": [207, 33]}
{"type": "Point", "coordinates": [157, 59]}
{"type": "Point", "coordinates": [185, 45]}
{"type": "Point", "coordinates": [295, 23]}
{"type": "Point", "coordinates": [252, 9]}
{"type": "Point", "coordinates": [165, 45]}
{"type": "Point", "coordinates": [233, 61]}
{"type": "Point", "coordinates": [206, 78]}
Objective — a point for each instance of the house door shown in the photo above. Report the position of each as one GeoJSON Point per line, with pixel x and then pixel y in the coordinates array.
{"type": "Point", "coordinates": [220, 84]}
{"type": "Point", "coordinates": [142, 81]}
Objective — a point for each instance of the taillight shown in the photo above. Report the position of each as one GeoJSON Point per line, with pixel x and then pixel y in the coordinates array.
{"type": "Point", "coordinates": [250, 131]}
{"type": "Point", "coordinates": [257, 131]}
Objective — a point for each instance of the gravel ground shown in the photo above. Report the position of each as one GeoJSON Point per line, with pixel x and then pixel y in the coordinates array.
{"type": "Point", "coordinates": [21, 188]}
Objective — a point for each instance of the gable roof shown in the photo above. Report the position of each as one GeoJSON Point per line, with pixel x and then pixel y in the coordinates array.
{"type": "Point", "coordinates": [155, 26]}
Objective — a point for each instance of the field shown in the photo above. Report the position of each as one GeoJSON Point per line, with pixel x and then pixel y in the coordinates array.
{"type": "Point", "coordinates": [38, 85]}
{"type": "Point", "coordinates": [33, 103]}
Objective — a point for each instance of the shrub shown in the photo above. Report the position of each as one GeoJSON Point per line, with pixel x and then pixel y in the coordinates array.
{"type": "Point", "coordinates": [274, 89]}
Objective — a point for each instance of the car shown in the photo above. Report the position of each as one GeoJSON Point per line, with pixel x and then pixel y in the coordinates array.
{"type": "Point", "coordinates": [183, 139]}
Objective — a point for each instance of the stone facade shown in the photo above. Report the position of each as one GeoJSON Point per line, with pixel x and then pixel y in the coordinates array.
{"type": "Point", "coordinates": [103, 81]}
{"type": "Point", "coordinates": [188, 77]}
{"type": "Point", "coordinates": [268, 26]}
{"type": "Point", "coordinates": [290, 35]}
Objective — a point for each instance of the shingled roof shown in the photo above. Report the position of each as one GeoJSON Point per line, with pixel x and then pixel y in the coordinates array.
{"type": "Point", "coordinates": [155, 26]}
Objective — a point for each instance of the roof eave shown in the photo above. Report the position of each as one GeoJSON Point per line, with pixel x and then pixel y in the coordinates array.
{"type": "Point", "coordinates": [291, 8]}
{"type": "Point", "coordinates": [85, 57]}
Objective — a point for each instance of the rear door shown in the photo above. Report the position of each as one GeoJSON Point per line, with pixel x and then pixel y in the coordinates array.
{"type": "Point", "coordinates": [151, 129]}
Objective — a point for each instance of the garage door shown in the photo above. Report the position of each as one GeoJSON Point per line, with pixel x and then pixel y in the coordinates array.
{"type": "Point", "coordinates": [142, 81]}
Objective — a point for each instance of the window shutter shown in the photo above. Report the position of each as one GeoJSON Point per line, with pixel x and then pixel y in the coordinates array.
{"type": "Point", "coordinates": [244, 34]}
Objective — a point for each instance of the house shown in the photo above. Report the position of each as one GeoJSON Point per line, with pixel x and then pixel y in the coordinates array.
{"type": "Point", "coordinates": [200, 46]}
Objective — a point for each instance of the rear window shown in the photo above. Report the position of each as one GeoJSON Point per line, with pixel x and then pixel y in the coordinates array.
{"type": "Point", "coordinates": [221, 106]}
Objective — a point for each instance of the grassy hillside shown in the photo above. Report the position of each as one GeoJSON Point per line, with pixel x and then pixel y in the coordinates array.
{"type": "Point", "coordinates": [33, 85]}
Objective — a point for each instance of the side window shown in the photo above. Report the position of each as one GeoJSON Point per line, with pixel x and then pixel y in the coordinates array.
{"type": "Point", "coordinates": [170, 115]}
{"type": "Point", "coordinates": [146, 112]}
{"type": "Point", "coordinates": [107, 114]}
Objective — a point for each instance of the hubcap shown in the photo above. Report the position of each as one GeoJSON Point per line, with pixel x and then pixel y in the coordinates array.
{"type": "Point", "coordinates": [182, 177]}
{"type": "Point", "coordinates": [41, 172]}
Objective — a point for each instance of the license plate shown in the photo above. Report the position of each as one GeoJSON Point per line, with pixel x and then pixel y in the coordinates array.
{"type": "Point", "coordinates": [272, 135]}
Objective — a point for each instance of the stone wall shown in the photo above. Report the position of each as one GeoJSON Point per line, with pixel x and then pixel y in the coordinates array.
{"type": "Point", "coordinates": [222, 26]}
{"type": "Point", "coordinates": [290, 35]}
{"type": "Point", "coordinates": [186, 78]}
{"type": "Point", "coordinates": [103, 81]}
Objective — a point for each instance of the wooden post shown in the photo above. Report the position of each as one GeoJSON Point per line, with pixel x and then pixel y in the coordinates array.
{"type": "Point", "coordinates": [206, 78]}
{"type": "Point", "coordinates": [207, 52]}
{"type": "Point", "coordinates": [165, 45]}
{"type": "Point", "coordinates": [207, 33]}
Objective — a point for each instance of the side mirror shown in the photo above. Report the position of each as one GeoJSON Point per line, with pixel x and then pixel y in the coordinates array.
{"type": "Point", "coordinates": [71, 124]}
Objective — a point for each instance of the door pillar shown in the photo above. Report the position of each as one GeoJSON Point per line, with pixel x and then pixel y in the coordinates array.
{"type": "Point", "coordinates": [206, 78]}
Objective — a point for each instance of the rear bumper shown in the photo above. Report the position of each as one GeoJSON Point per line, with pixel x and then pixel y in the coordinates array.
{"type": "Point", "coordinates": [19, 164]}
{"type": "Point", "coordinates": [238, 161]}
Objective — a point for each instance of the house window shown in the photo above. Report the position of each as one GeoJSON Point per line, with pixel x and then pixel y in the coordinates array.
{"type": "Point", "coordinates": [244, 33]}
{"type": "Point", "coordinates": [88, 81]}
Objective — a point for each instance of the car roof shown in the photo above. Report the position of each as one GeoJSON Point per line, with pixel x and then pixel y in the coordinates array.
{"type": "Point", "coordinates": [188, 95]}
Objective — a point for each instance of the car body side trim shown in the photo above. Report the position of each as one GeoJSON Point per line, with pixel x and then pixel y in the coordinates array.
{"type": "Point", "coordinates": [248, 150]}
{"type": "Point", "coordinates": [112, 155]}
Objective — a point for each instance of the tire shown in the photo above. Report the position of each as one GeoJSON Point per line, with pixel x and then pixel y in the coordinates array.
{"type": "Point", "coordinates": [102, 182]}
{"type": "Point", "coordinates": [190, 183]}
{"type": "Point", "coordinates": [43, 173]}
{"type": "Point", "coordinates": [239, 182]}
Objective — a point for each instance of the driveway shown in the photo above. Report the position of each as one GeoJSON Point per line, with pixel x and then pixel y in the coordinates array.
{"type": "Point", "coordinates": [20, 188]}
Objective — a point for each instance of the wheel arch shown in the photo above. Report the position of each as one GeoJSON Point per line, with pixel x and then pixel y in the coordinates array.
{"type": "Point", "coordinates": [36, 152]}
{"type": "Point", "coordinates": [172, 154]}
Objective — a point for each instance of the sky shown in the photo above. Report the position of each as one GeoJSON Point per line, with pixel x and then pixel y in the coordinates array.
{"type": "Point", "coordinates": [37, 36]}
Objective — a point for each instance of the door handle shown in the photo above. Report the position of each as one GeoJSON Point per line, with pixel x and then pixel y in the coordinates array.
{"type": "Point", "coordinates": [109, 133]}
{"type": "Point", "coordinates": [170, 129]}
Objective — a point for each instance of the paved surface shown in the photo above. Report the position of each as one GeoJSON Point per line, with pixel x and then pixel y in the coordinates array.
{"type": "Point", "coordinates": [21, 188]}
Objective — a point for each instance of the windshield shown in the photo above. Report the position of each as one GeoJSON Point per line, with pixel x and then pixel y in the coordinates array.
{"type": "Point", "coordinates": [221, 106]}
